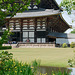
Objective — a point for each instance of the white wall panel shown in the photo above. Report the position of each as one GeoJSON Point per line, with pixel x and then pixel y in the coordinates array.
{"type": "Point", "coordinates": [63, 40]}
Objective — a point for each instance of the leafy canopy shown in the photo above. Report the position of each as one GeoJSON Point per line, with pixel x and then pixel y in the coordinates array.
{"type": "Point", "coordinates": [11, 7]}
{"type": "Point", "coordinates": [73, 31]}
{"type": "Point", "coordinates": [68, 5]}
{"type": "Point", "coordinates": [5, 37]}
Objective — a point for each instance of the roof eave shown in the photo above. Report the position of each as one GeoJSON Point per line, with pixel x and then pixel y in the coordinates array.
{"type": "Point", "coordinates": [34, 16]}
{"type": "Point", "coordinates": [64, 20]}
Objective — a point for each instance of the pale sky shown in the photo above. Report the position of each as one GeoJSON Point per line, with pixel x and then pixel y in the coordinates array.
{"type": "Point", "coordinates": [58, 1]}
{"type": "Point", "coordinates": [68, 18]}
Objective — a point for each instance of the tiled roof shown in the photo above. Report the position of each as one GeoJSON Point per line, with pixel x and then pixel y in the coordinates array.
{"type": "Point", "coordinates": [36, 13]}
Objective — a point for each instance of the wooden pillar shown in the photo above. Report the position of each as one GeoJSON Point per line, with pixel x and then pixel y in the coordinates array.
{"type": "Point", "coordinates": [28, 28]}
{"type": "Point", "coordinates": [41, 22]}
{"type": "Point", "coordinates": [14, 25]}
{"type": "Point", "coordinates": [21, 30]}
{"type": "Point", "coordinates": [35, 35]}
{"type": "Point", "coordinates": [47, 29]}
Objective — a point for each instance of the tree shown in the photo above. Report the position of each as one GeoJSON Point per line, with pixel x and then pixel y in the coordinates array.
{"type": "Point", "coordinates": [73, 31]}
{"type": "Point", "coordinates": [5, 37]}
{"type": "Point", "coordinates": [68, 5]}
{"type": "Point", "coordinates": [11, 7]}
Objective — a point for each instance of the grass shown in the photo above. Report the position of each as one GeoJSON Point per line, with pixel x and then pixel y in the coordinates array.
{"type": "Point", "coordinates": [57, 57]}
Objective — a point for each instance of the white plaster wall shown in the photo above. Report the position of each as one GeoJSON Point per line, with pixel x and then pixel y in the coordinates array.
{"type": "Point", "coordinates": [63, 40]}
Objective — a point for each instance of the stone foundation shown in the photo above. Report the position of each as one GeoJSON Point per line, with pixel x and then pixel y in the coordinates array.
{"type": "Point", "coordinates": [27, 45]}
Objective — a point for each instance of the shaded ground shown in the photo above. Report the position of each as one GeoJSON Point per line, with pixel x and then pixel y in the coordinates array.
{"type": "Point", "coordinates": [48, 56]}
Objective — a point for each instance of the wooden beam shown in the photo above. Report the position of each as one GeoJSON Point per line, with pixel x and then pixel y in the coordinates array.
{"type": "Point", "coordinates": [47, 29]}
{"type": "Point", "coordinates": [21, 30]}
{"type": "Point", "coordinates": [35, 35]}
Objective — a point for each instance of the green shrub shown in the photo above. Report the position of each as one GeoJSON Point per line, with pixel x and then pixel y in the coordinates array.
{"type": "Point", "coordinates": [71, 62]}
{"type": "Point", "coordinates": [64, 45]}
{"type": "Point", "coordinates": [12, 67]}
{"type": "Point", "coordinates": [72, 45]}
{"type": "Point", "coordinates": [5, 56]}
{"type": "Point", "coordinates": [36, 64]}
{"type": "Point", "coordinates": [5, 47]}
{"type": "Point", "coordinates": [61, 73]}
{"type": "Point", "coordinates": [5, 37]}
{"type": "Point", "coordinates": [8, 66]}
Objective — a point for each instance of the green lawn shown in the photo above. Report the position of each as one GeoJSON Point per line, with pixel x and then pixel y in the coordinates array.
{"type": "Point", "coordinates": [48, 56]}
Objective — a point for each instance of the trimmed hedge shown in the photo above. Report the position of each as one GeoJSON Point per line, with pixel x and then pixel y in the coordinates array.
{"type": "Point", "coordinates": [64, 45]}
{"type": "Point", "coordinates": [72, 45]}
{"type": "Point", "coordinates": [5, 47]}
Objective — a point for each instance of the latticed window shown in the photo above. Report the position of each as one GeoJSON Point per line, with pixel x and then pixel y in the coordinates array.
{"type": "Point", "coordinates": [41, 23]}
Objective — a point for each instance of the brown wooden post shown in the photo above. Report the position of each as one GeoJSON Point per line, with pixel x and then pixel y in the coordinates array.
{"type": "Point", "coordinates": [41, 26]}
{"type": "Point", "coordinates": [47, 29]}
{"type": "Point", "coordinates": [28, 28]}
{"type": "Point", "coordinates": [14, 25]}
{"type": "Point", "coordinates": [21, 30]}
{"type": "Point", "coordinates": [35, 24]}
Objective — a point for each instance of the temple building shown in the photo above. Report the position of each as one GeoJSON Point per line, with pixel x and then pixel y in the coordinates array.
{"type": "Point", "coordinates": [38, 24]}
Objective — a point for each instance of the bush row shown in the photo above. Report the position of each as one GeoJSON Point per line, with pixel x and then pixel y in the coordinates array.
{"type": "Point", "coordinates": [64, 45]}
{"type": "Point", "coordinates": [5, 47]}
{"type": "Point", "coordinates": [72, 45]}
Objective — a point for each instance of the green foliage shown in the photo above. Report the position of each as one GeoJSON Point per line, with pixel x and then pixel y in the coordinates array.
{"type": "Point", "coordinates": [61, 73]}
{"type": "Point", "coordinates": [64, 45]}
{"type": "Point", "coordinates": [5, 37]}
{"type": "Point", "coordinates": [68, 5]}
{"type": "Point", "coordinates": [4, 56]}
{"type": "Point", "coordinates": [71, 62]}
{"type": "Point", "coordinates": [36, 64]}
{"type": "Point", "coordinates": [11, 7]}
{"type": "Point", "coordinates": [73, 31]}
{"type": "Point", "coordinates": [13, 67]}
{"type": "Point", "coordinates": [5, 47]}
{"type": "Point", "coordinates": [8, 66]}
{"type": "Point", "coordinates": [72, 45]}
